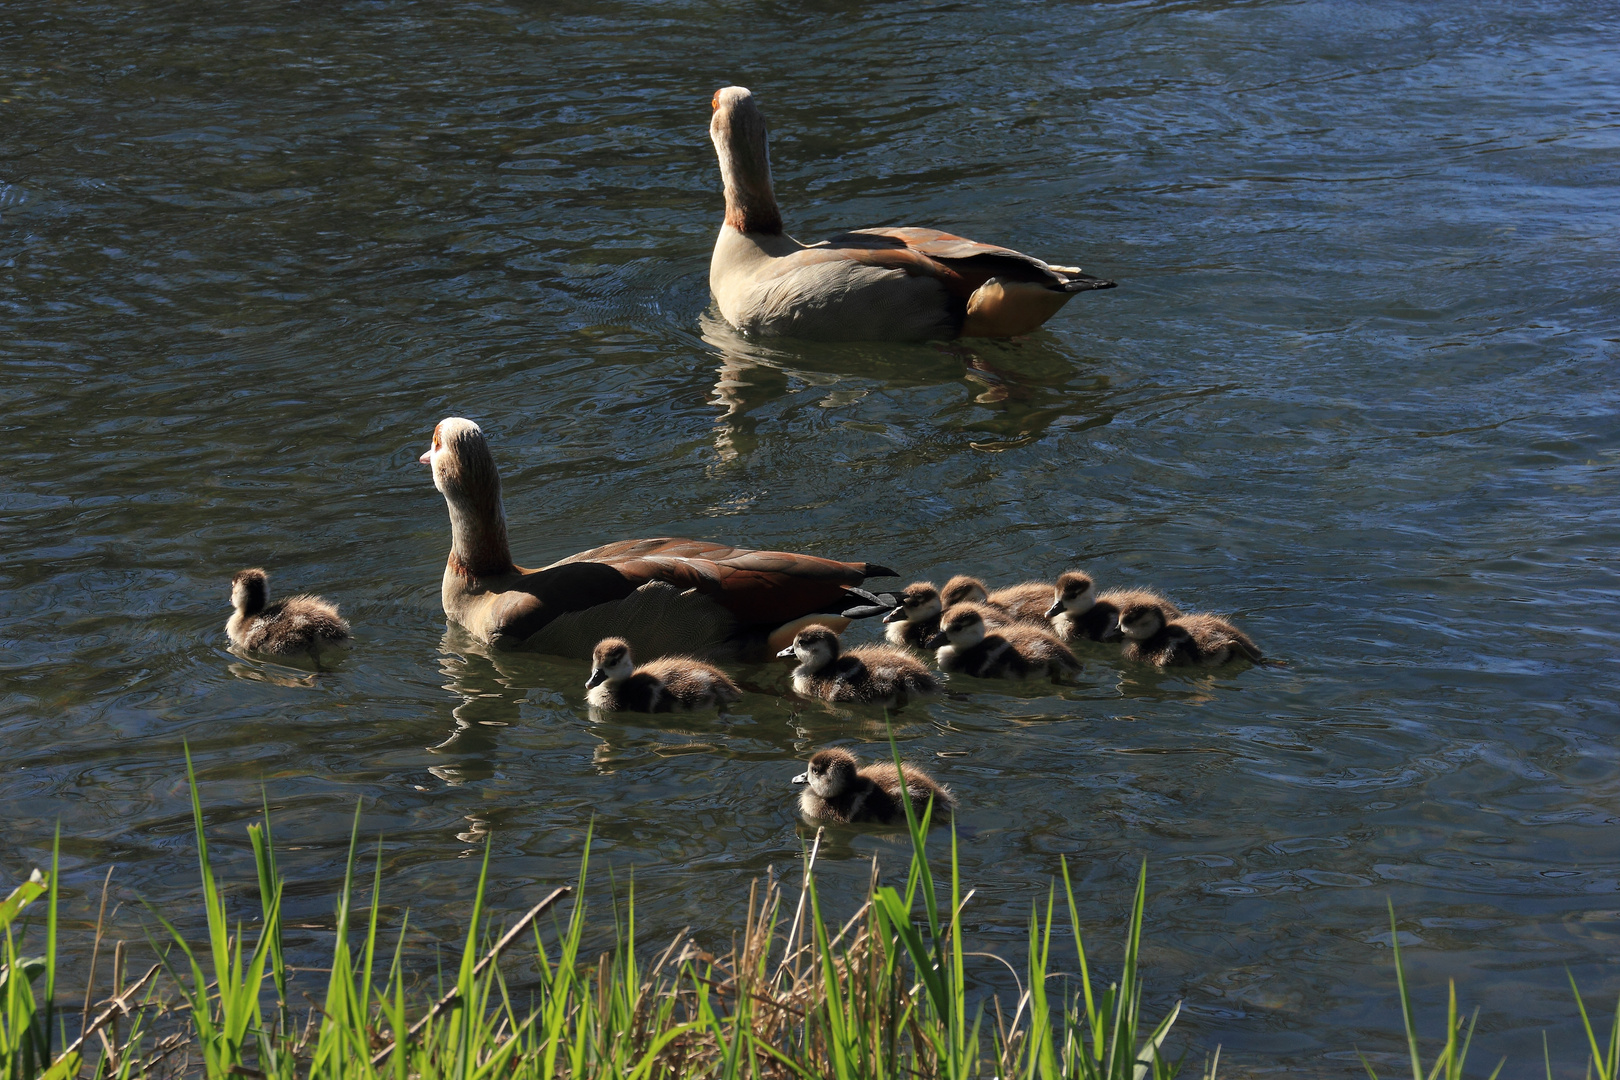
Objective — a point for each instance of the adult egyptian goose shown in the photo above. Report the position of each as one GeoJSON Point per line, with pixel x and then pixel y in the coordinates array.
{"type": "Point", "coordinates": [866, 675]}
{"type": "Point", "coordinates": [297, 626]}
{"type": "Point", "coordinates": [1154, 636]}
{"type": "Point", "coordinates": [663, 595]}
{"type": "Point", "coordinates": [672, 684]}
{"type": "Point", "coordinates": [840, 790]}
{"type": "Point", "coordinates": [865, 285]}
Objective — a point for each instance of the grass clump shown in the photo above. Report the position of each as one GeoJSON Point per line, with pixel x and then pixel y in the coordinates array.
{"type": "Point", "coordinates": [884, 994]}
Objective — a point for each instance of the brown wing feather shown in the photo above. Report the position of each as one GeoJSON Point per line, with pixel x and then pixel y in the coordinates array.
{"type": "Point", "coordinates": [934, 243]}
{"type": "Point", "coordinates": [888, 256]}
{"type": "Point", "coordinates": [757, 587]}
{"type": "Point", "coordinates": [970, 261]}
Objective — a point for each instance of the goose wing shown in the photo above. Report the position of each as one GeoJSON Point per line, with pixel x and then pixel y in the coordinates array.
{"type": "Point", "coordinates": [962, 264]}
{"type": "Point", "coordinates": [757, 587]}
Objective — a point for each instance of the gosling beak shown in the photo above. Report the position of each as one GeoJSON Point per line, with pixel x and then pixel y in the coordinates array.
{"type": "Point", "coordinates": [802, 778]}
{"type": "Point", "coordinates": [939, 640]}
{"type": "Point", "coordinates": [426, 459]}
{"type": "Point", "coordinates": [897, 614]}
{"type": "Point", "coordinates": [786, 653]}
{"type": "Point", "coordinates": [598, 677]}
{"type": "Point", "coordinates": [1055, 610]}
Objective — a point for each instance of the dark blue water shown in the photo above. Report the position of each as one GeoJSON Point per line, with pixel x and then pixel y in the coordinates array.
{"type": "Point", "coordinates": [1356, 390]}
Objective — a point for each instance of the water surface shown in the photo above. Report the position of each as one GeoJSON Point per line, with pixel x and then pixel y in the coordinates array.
{"type": "Point", "coordinates": [1355, 389]}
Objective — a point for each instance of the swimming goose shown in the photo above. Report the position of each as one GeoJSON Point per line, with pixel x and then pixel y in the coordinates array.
{"type": "Point", "coordinates": [1017, 651]}
{"type": "Point", "coordinates": [672, 684]}
{"type": "Point", "coordinates": [297, 625]}
{"type": "Point", "coordinates": [1154, 636]}
{"type": "Point", "coordinates": [868, 675]}
{"type": "Point", "coordinates": [915, 618]}
{"type": "Point", "coordinates": [865, 285]}
{"type": "Point", "coordinates": [839, 790]}
{"type": "Point", "coordinates": [663, 595]}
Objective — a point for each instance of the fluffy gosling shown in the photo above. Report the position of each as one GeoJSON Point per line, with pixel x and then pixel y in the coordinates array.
{"type": "Point", "coordinates": [298, 625]}
{"type": "Point", "coordinates": [963, 589]}
{"type": "Point", "coordinates": [1155, 636]}
{"type": "Point", "coordinates": [968, 645]}
{"type": "Point", "coordinates": [915, 618]}
{"type": "Point", "coordinates": [1097, 619]}
{"type": "Point", "coordinates": [839, 790]}
{"type": "Point", "coordinates": [869, 675]}
{"type": "Point", "coordinates": [672, 684]}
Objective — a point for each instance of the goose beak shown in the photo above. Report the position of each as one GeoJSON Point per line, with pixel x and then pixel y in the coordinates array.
{"type": "Point", "coordinates": [785, 654]}
{"type": "Point", "coordinates": [1055, 610]}
{"type": "Point", "coordinates": [426, 459]}
{"type": "Point", "coordinates": [939, 640]}
{"type": "Point", "coordinates": [802, 778]}
{"type": "Point", "coordinates": [598, 677]}
{"type": "Point", "coordinates": [897, 614]}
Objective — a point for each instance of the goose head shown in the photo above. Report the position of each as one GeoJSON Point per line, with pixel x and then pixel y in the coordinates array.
{"type": "Point", "coordinates": [815, 647]}
{"type": "Point", "coordinates": [464, 471]}
{"type": "Point", "coordinates": [1075, 593]}
{"type": "Point", "coordinates": [741, 141]}
{"type": "Point", "coordinates": [963, 589]}
{"type": "Point", "coordinates": [249, 590]}
{"type": "Point", "coordinates": [830, 773]}
{"type": "Point", "coordinates": [962, 626]}
{"type": "Point", "coordinates": [610, 662]}
{"type": "Point", "coordinates": [919, 603]}
{"type": "Point", "coordinates": [1141, 620]}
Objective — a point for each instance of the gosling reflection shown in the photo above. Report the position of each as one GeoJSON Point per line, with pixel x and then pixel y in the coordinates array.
{"type": "Point", "coordinates": [265, 674]}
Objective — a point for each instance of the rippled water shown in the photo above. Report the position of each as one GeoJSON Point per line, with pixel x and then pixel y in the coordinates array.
{"type": "Point", "coordinates": [1356, 389]}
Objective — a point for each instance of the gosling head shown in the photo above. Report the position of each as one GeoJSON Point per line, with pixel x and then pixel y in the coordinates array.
{"type": "Point", "coordinates": [918, 603]}
{"type": "Point", "coordinates": [1141, 620]}
{"type": "Point", "coordinates": [961, 626]}
{"type": "Point", "coordinates": [610, 662]}
{"type": "Point", "coordinates": [1075, 593]}
{"type": "Point", "coordinates": [963, 589]}
{"type": "Point", "coordinates": [815, 647]}
{"type": "Point", "coordinates": [249, 589]}
{"type": "Point", "coordinates": [830, 774]}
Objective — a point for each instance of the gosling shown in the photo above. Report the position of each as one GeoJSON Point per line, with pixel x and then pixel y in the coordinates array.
{"type": "Point", "coordinates": [1155, 636]}
{"type": "Point", "coordinates": [841, 791]}
{"type": "Point", "coordinates": [915, 618]}
{"type": "Point", "coordinates": [1043, 605]}
{"type": "Point", "coordinates": [671, 684]}
{"type": "Point", "coordinates": [967, 645]}
{"type": "Point", "coordinates": [963, 589]}
{"type": "Point", "coordinates": [1085, 616]}
{"type": "Point", "coordinates": [869, 675]}
{"type": "Point", "coordinates": [297, 626]}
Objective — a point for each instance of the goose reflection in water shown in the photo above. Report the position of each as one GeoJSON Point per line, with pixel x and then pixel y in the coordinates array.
{"type": "Point", "coordinates": [1025, 385]}
{"type": "Point", "coordinates": [490, 699]}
